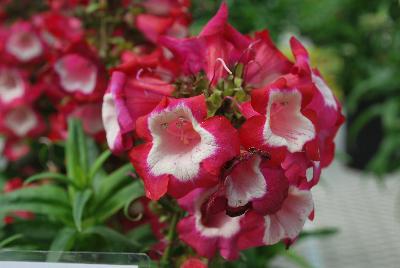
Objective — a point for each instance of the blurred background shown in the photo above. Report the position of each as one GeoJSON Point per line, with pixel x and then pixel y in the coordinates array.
{"type": "Point", "coordinates": [356, 46]}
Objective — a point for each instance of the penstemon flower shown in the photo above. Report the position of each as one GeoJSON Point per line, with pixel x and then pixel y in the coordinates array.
{"type": "Point", "coordinates": [231, 132]}
{"type": "Point", "coordinates": [183, 149]}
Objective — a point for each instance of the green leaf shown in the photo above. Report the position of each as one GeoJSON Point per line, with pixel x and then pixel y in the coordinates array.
{"type": "Point", "coordinates": [99, 163]}
{"type": "Point", "coordinates": [71, 152]}
{"type": "Point", "coordinates": [43, 208]}
{"type": "Point", "coordinates": [323, 232]}
{"type": "Point", "coordinates": [62, 242]}
{"type": "Point", "coordinates": [113, 181]}
{"type": "Point", "coordinates": [82, 149]}
{"type": "Point", "coordinates": [51, 175]}
{"type": "Point", "coordinates": [118, 200]}
{"type": "Point", "coordinates": [48, 193]}
{"type": "Point", "coordinates": [81, 198]}
{"type": "Point", "coordinates": [10, 240]}
{"type": "Point", "coordinates": [297, 259]}
{"type": "Point", "coordinates": [111, 235]}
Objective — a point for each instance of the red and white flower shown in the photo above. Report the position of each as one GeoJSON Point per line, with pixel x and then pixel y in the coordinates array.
{"type": "Point", "coordinates": [285, 224]}
{"type": "Point", "coordinates": [124, 102]}
{"type": "Point", "coordinates": [78, 72]}
{"type": "Point", "coordinates": [284, 120]}
{"type": "Point", "coordinates": [183, 149]}
{"type": "Point", "coordinates": [208, 234]}
{"type": "Point", "coordinates": [23, 43]}
{"type": "Point", "coordinates": [58, 30]}
{"type": "Point", "coordinates": [21, 121]}
{"type": "Point", "coordinates": [164, 18]}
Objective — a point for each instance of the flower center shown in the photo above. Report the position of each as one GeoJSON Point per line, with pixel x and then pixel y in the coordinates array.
{"type": "Point", "coordinates": [182, 129]}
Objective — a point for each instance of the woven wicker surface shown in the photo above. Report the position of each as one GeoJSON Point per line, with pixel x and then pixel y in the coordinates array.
{"type": "Point", "coordinates": [367, 214]}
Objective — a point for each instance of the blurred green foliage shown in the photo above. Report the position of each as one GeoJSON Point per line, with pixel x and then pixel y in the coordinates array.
{"type": "Point", "coordinates": [358, 43]}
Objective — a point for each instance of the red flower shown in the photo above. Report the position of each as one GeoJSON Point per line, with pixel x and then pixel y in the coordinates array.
{"type": "Point", "coordinates": [77, 72]}
{"type": "Point", "coordinates": [183, 149]}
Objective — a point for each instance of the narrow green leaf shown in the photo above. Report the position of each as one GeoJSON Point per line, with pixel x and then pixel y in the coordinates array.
{"type": "Point", "coordinates": [81, 198]}
{"type": "Point", "coordinates": [115, 180]}
{"type": "Point", "coordinates": [71, 152]}
{"type": "Point", "coordinates": [113, 236]}
{"type": "Point", "coordinates": [47, 193]}
{"type": "Point", "coordinates": [99, 163]}
{"type": "Point", "coordinates": [297, 259]}
{"type": "Point", "coordinates": [63, 242]}
{"type": "Point", "coordinates": [53, 176]}
{"type": "Point", "coordinates": [9, 240]}
{"type": "Point", "coordinates": [43, 208]}
{"type": "Point", "coordinates": [82, 151]}
{"type": "Point", "coordinates": [118, 200]}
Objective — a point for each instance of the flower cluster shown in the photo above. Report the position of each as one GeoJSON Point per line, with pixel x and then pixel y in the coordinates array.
{"type": "Point", "coordinates": [227, 125]}
{"type": "Point", "coordinates": [222, 127]}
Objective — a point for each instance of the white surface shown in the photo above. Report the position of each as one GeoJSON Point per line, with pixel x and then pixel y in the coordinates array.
{"type": "Point", "coordinates": [366, 214]}
{"type": "Point", "coordinates": [7, 264]}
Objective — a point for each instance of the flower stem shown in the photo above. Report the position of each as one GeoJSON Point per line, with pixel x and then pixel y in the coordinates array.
{"type": "Point", "coordinates": [166, 257]}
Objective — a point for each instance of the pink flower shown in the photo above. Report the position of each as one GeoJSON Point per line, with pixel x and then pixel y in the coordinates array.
{"type": "Point", "coordinates": [284, 120]}
{"type": "Point", "coordinates": [257, 191]}
{"type": "Point", "coordinates": [285, 224]}
{"type": "Point", "coordinates": [22, 43]}
{"type": "Point", "coordinates": [77, 72]}
{"type": "Point", "coordinates": [15, 88]}
{"type": "Point", "coordinates": [217, 46]}
{"type": "Point", "coordinates": [15, 149]}
{"type": "Point", "coordinates": [58, 30]}
{"type": "Point", "coordinates": [183, 149]}
{"type": "Point", "coordinates": [208, 234]}
{"type": "Point", "coordinates": [21, 121]}
{"type": "Point", "coordinates": [164, 18]}
{"type": "Point", "coordinates": [135, 89]}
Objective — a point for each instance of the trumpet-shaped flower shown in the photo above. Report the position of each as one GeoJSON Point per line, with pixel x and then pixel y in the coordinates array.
{"type": "Point", "coordinates": [183, 149]}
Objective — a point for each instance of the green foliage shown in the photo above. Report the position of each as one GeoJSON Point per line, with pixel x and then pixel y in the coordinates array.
{"type": "Point", "coordinates": [75, 208]}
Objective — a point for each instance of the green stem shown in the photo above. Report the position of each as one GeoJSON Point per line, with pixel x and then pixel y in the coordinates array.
{"type": "Point", "coordinates": [165, 259]}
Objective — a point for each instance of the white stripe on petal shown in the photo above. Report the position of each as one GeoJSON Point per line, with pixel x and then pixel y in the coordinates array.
{"type": "Point", "coordinates": [110, 120]}
{"type": "Point", "coordinates": [326, 92]}
{"type": "Point", "coordinates": [221, 225]}
{"type": "Point", "coordinates": [289, 220]}
{"type": "Point", "coordinates": [178, 154]}
{"type": "Point", "coordinates": [245, 183]}
{"type": "Point", "coordinates": [285, 125]}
